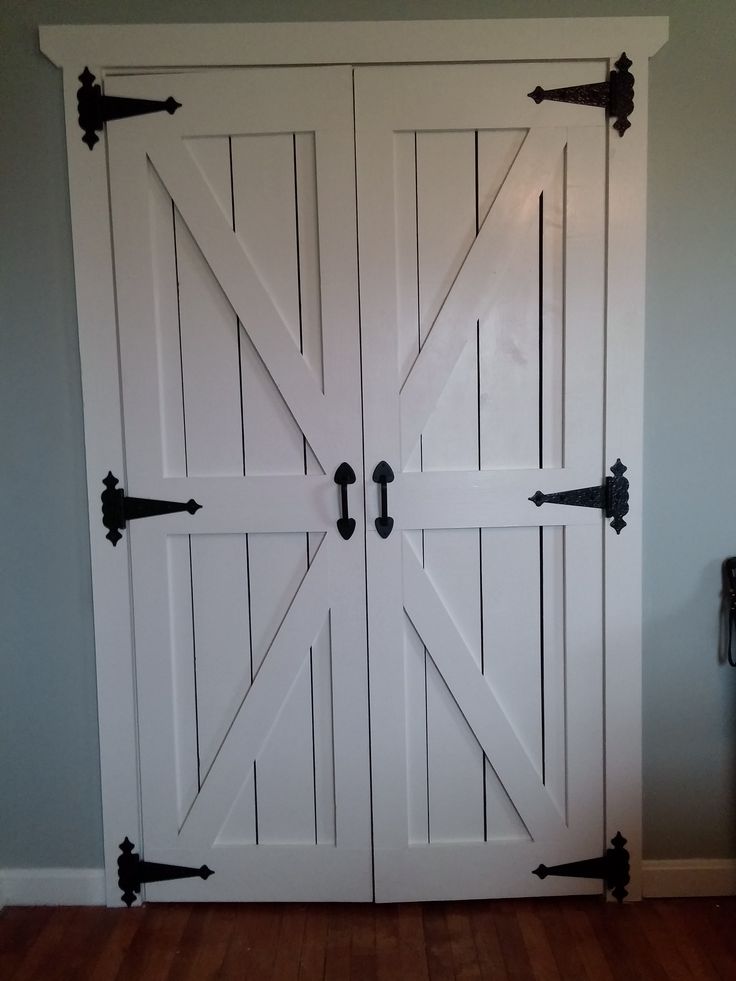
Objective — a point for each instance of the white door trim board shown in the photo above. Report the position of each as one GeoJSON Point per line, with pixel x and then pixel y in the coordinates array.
{"type": "Point", "coordinates": [121, 47]}
{"type": "Point", "coordinates": [122, 50]}
{"type": "Point", "coordinates": [673, 877]}
{"type": "Point", "coordinates": [52, 887]}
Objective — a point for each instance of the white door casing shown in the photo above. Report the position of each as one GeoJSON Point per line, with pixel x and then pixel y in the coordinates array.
{"type": "Point", "coordinates": [490, 498]}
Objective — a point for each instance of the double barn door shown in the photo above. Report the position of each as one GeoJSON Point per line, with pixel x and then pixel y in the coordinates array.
{"type": "Point", "coordinates": [318, 266]}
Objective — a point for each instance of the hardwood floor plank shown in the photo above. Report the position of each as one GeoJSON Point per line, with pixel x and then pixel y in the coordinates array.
{"type": "Point", "coordinates": [157, 947]}
{"type": "Point", "coordinates": [690, 946]}
{"type": "Point", "coordinates": [720, 953]}
{"type": "Point", "coordinates": [537, 945]}
{"type": "Point", "coordinates": [575, 939]}
{"type": "Point", "coordinates": [48, 949]}
{"type": "Point", "coordinates": [388, 966]}
{"type": "Point", "coordinates": [314, 943]}
{"type": "Point", "coordinates": [108, 953]}
{"type": "Point", "coordinates": [721, 912]}
{"type": "Point", "coordinates": [253, 941]}
{"type": "Point", "coordinates": [363, 943]}
{"type": "Point", "coordinates": [516, 959]}
{"type": "Point", "coordinates": [586, 942]}
{"type": "Point", "coordinates": [562, 944]}
{"type": "Point", "coordinates": [487, 942]}
{"type": "Point", "coordinates": [19, 929]}
{"type": "Point", "coordinates": [661, 939]}
{"type": "Point", "coordinates": [289, 948]}
{"type": "Point", "coordinates": [437, 939]}
{"type": "Point", "coordinates": [412, 943]}
{"type": "Point", "coordinates": [337, 955]}
{"type": "Point", "coordinates": [205, 942]}
{"type": "Point", "coordinates": [462, 943]}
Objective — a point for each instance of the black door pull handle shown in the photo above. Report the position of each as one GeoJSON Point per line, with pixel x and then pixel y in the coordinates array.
{"type": "Point", "coordinates": [383, 475]}
{"type": "Point", "coordinates": [345, 475]}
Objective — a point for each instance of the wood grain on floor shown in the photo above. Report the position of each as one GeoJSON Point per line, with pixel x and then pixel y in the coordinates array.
{"type": "Point", "coordinates": [510, 940]}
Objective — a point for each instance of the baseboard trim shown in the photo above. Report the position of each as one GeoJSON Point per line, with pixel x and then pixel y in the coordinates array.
{"type": "Point", "coordinates": [52, 887]}
{"type": "Point", "coordinates": [688, 877]}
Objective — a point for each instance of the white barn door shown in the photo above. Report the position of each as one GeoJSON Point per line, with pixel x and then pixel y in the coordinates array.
{"type": "Point", "coordinates": [481, 233]}
{"type": "Point", "coordinates": [235, 261]}
{"type": "Point", "coordinates": [482, 252]}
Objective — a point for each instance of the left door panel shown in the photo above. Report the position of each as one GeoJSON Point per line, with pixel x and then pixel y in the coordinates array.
{"type": "Point", "coordinates": [235, 244]}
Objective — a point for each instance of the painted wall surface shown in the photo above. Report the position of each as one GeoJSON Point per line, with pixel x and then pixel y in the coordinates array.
{"type": "Point", "coordinates": [49, 782]}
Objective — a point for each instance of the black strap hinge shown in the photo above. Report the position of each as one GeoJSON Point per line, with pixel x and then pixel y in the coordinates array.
{"type": "Point", "coordinates": [613, 868]}
{"type": "Point", "coordinates": [616, 95]}
{"type": "Point", "coordinates": [133, 872]}
{"type": "Point", "coordinates": [118, 510]}
{"type": "Point", "coordinates": [612, 497]}
{"type": "Point", "coordinates": [96, 109]}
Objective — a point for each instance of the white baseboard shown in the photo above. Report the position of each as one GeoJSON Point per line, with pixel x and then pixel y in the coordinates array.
{"type": "Point", "coordinates": [688, 877]}
{"type": "Point", "coordinates": [52, 887]}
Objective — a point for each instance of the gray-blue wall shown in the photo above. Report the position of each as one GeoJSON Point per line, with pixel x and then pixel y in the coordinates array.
{"type": "Point", "coordinates": [49, 780]}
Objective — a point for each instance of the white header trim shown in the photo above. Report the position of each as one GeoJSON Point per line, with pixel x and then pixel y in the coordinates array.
{"type": "Point", "coordinates": [357, 42]}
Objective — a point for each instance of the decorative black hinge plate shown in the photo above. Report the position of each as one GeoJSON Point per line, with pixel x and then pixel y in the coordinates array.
{"type": "Point", "coordinates": [133, 872]}
{"type": "Point", "coordinates": [612, 497]}
{"type": "Point", "coordinates": [96, 109]}
{"type": "Point", "coordinates": [118, 510]}
{"type": "Point", "coordinates": [616, 95]}
{"type": "Point", "coordinates": [613, 868]}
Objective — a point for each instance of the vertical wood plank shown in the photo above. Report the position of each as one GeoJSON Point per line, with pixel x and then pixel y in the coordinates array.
{"type": "Point", "coordinates": [508, 383]}
{"type": "Point", "coordinates": [323, 728]}
{"type": "Point", "coordinates": [446, 223]}
{"type": "Point", "coordinates": [222, 653]}
{"type": "Point", "coordinates": [166, 295]}
{"type": "Point", "coordinates": [209, 340]}
{"type": "Point", "coordinates": [408, 343]}
{"type": "Point", "coordinates": [265, 193]}
{"type": "Point", "coordinates": [186, 735]}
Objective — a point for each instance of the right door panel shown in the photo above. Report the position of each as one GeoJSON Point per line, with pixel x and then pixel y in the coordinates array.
{"type": "Point", "coordinates": [482, 256]}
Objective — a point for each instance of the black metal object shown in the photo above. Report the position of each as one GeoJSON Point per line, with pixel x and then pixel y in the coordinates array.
{"type": "Point", "coordinates": [612, 497]}
{"type": "Point", "coordinates": [728, 571]}
{"type": "Point", "coordinates": [345, 475]}
{"type": "Point", "coordinates": [616, 95]}
{"type": "Point", "coordinates": [383, 475]}
{"type": "Point", "coordinates": [96, 109]}
{"type": "Point", "coordinates": [613, 868]}
{"type": "Point", "coordinates": [118, 510]}
{"type": "Point", "coordinates": [133, 872]}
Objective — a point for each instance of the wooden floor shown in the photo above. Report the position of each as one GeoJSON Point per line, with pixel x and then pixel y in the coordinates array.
{"type": "Point", "coordinates": [549, 940]}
